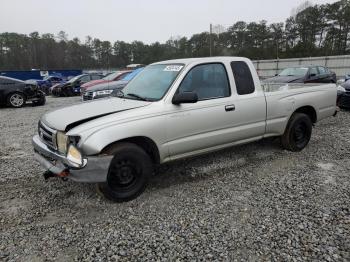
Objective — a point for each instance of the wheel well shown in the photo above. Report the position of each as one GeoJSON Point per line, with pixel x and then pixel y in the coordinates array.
{"type": "Point", "coordinates": [145, 143]}
{"type": "Point", "coordinates": [308, 110]}
{"type": "Point", "coordinates": [14, 92]}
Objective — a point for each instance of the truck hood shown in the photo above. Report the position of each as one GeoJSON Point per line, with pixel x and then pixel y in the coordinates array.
{"type": "Point", "coordinates": [109, 86]}
{"type": "Point", "coordinates": [67, 118]}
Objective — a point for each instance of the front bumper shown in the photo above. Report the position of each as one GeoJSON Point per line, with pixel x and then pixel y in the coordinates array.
{"type": "Point", "coordinates": [94, 171]}
{"type": "Point", "coordinates": [343, 100]}
{"type": "Point", "coordinates": [38, 95]}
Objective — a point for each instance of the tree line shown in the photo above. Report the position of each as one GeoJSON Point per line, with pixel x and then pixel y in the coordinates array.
{"type": "Point", "coordinates": [312, 30]}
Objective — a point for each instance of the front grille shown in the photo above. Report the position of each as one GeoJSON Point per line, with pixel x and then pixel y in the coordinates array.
{"type": "Point", "coordinates": [88, 95]}
{"type": "Point", "coordinates": [47, 135]}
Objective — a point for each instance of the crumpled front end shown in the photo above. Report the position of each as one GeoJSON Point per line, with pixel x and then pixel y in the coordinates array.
{"type": "Point", "coordinates": [343, 99]}
{"type": "Point", "coordinates": [70, 165]}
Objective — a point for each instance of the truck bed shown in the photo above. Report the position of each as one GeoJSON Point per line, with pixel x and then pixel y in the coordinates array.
{"type": "Point", "coordinates": [274, 87]}
{"type": "Point", "coordinates": [284, 98]}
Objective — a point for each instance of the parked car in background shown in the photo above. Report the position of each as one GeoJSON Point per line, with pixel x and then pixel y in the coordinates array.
{"type": "Point", "coordinates": [15, 92]}
{"type": "Point", "coordinates": [304, 74]}
{"type": "Point", "coordinates": [134, 66]}
{"type": "Point", "coordinates": [343, 99]}
{"type": "Point", "coordinates": [110, 88]}
{"type": "Point", "coordinates": [115, 76]}
{"type": "Point", "coordinates": [72, 87]}
{"type": "Point", "coordinates": [48, 82]}
{"type": "Point", "coordinates": [173, 110]}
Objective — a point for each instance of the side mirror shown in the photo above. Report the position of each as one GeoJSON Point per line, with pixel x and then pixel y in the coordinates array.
{"type": "Point", "coordinates": [312, 75]}
{"type": "Point", "coordinates": [185, 98]}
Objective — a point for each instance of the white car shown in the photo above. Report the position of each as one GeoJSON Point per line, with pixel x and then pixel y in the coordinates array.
{"type": "Point", "coordinates": [172, 110]}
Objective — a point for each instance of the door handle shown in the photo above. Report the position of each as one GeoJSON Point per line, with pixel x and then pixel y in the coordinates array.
{"type": "Point", "coordinates": [230, 108]}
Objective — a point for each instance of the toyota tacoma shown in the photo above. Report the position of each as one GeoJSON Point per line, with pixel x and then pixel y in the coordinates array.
{"type": "Point", "coordinates": [172, 110]}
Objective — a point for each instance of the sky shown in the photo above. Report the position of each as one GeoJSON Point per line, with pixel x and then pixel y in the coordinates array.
{"type": "Point", "coordinates": [145, 20]}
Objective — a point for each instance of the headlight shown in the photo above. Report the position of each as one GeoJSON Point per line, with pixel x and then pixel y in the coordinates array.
{"type": "Point", "coordinates": [74, 156]}
{"type": "Point", "coordinates": [62, 142]}
{"type": "Point", "coordinates": [341, 89]}
{"type": "Point", "coordinates": [103, 92]}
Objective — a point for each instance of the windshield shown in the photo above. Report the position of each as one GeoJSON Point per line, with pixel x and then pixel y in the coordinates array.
{"type": "Point", "coordinates": [153, 82]}
{"type": "Point", "coordinates": [130, 76]}
{"type": "Point", "coordinates": [294, 71]}
{"type": "Point", "coordinates": [74, 79]}
{"type": "Point", "coordinates": [111, 76]}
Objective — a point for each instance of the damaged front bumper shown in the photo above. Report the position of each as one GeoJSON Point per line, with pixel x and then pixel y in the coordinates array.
{"type": "Point", "coordinates": [94, 170]}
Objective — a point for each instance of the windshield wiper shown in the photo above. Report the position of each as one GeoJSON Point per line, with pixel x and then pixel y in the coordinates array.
{"type": "Point", "coordinates": [137, 96]}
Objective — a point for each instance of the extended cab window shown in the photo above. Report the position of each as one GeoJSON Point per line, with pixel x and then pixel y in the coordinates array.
{"type": "Point", "coordinates": [243, 78]}
{"type": "Point", "coordinates": [209, 81]}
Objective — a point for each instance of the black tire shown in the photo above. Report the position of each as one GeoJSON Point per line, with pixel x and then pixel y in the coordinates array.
{"type": "Point", "coordinates": [298, 132]}
{"type": "Point", "coordinates": [68, 92]}
{"type": "Point", "coordinates": [40, 102]}
{"type": "Point", "coordinates": [16, 99]}
{"type": "Point", "coordinates": [128, 173]}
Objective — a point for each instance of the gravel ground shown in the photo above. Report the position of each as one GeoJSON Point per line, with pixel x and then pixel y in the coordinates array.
{"type": "Point", "coordinates": [254, 202]}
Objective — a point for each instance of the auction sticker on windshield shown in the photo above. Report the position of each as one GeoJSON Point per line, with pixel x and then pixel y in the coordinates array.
{"type": "Point", "coordinates": [173, 68]}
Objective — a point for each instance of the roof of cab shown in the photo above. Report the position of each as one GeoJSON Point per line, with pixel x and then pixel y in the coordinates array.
{"type": "Point", "coordinates": [188, 61]}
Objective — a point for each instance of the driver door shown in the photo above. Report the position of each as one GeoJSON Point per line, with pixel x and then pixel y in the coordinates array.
{"type": "Point", "coordinates": [213, 121]}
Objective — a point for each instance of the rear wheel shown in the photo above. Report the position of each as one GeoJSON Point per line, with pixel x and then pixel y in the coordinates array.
{"type": "Point", "coordinates": [128, 173]}
{"type": "Point", "coordinates": [16, 100]}
{"type": "Point", "coordinates": [298, 132]}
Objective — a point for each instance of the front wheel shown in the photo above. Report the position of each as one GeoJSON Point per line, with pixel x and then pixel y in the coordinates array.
{"type": "Point", "coordinates": [128, 174]}
{"type": "Point", "coordinates": [298, 132]}
{"type": "Point", "coordinates": [16, 100]}
{"type": "Point", "coordinates": [41, 101]}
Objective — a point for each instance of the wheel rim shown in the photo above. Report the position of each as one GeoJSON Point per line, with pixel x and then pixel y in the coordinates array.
{"type": "Point", "coordinates": [16, 100]}
{"type": "Point", "coordinates": [301, 134]}
{"type": "Point", "coordinates": [123, 174]}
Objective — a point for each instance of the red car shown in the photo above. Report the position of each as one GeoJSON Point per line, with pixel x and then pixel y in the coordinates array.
{"type": "Point", "coordinates": [118, 75]}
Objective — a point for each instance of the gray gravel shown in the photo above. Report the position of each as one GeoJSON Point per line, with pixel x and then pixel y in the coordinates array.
{"type": "Point", "coordinates": [253, 202]}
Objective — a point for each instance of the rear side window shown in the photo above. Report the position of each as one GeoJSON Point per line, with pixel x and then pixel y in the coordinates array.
{"type": "Point", "coordinates": [243, 78]}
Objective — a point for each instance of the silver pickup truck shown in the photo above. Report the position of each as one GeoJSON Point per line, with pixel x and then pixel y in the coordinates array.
{"type": "Point", "coordinates": [172, 110]}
